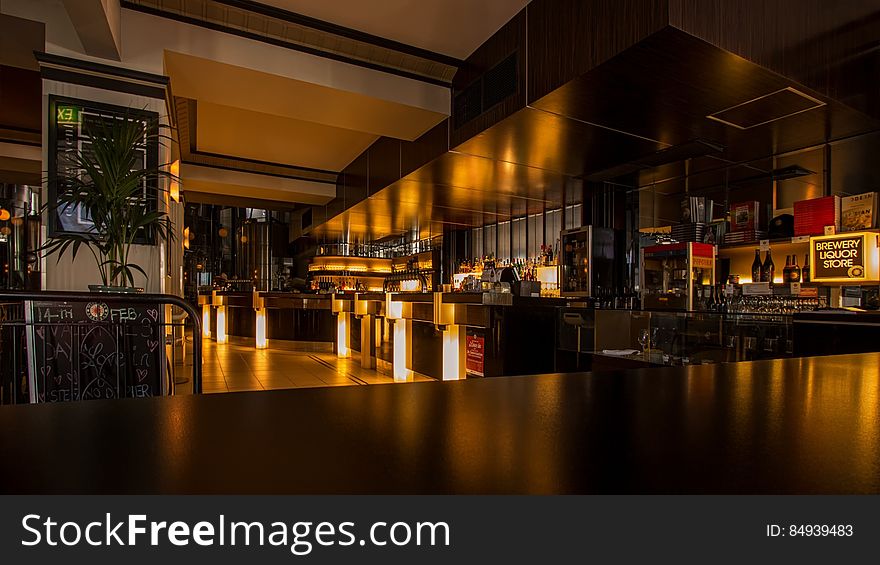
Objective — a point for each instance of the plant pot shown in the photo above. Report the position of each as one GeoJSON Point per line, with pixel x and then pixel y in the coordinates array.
{"type": "Point", "coordinates": [115, 289]}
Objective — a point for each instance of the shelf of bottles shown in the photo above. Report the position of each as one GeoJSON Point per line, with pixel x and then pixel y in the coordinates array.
{"type": "Point", "coordinates": [411, 273]}
{"type": "Point", "coordinates": [334, 273]}
{"type": "Point", "coordinates": [758, 284]}
{"type": "Point", "coordinates": [542, 268]}
{"type": "Point", "coordinates": [587, 262]}
{"type": "Point", "coordinates": [822, 251]}
{"type": "Point", "coordinates": [753, 263]}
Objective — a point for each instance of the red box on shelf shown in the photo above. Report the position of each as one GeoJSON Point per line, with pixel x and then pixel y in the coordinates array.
{"type": "Point", "coordinates": [811, 216]}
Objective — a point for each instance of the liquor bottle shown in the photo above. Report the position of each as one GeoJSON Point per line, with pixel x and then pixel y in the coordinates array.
{"type": "Point", "coordinates": [795, 274]}
{"type": "Point", "coordinates": [756, 267]}
{"type": "Point", "coordinates": [724, 304]}
{"type": "Point", "coordinates": [710, 300]}
{"type": "Point", "coordinates": [768, 269]}
{"type": "Point", "coordinates": [786, 272]}
{"type": "Point", "coordinates": [805, 272]}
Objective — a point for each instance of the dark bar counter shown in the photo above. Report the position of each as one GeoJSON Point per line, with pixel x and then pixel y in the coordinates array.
{"type": "Point", "coordinates": [826, 332]}
{"type": "Point", "coordinates": [299, 317]}
{"type": "Point", "coordinates": [290, 317]}
{"type": "Point", "coordinates": [808, 425]}
{"type": "Point", "coordinates": [240, 317]}
{"type": "Point", "coordinates": [517, 334]}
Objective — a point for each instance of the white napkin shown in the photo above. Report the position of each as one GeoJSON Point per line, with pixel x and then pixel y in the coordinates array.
{"type": "Point", "coordinates": [620, 352]}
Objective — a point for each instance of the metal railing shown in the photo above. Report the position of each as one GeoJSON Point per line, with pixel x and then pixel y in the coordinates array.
{"type": "Point", "coordinates": [115, 337]}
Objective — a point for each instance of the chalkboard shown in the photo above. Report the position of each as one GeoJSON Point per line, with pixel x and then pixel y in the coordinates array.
{"type": "Point", "coordinates": [13, 366]}
{"type": "Point", "coordinates": [95, 349]}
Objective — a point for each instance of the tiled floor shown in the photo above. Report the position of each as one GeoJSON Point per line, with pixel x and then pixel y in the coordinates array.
{"type": "Point", "coordinates": [231, 368]}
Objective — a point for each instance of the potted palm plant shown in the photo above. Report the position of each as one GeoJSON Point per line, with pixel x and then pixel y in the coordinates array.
{"type": "Point", "coordinates": [108, 184]}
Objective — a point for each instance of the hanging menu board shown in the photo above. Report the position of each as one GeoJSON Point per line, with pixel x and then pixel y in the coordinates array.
{"type": "Point", "coordinates": [71, 125]}
{"type": "Point", "coordinates": [94, 350]}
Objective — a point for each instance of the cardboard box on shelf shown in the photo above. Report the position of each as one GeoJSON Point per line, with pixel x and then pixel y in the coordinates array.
{"type": "Point", "coordinates": [811, 216]}
{"type": "Point", "coordinates": [858, 212]}
{"type": "Point", "coordinates": [747, 217]}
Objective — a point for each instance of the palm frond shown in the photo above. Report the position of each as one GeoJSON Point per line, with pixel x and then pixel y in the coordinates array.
{"type": "Point", "coordinates": [115, 194]}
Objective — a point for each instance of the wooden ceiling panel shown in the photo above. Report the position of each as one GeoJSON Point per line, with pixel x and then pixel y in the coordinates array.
{"type": "Point", "coordinates": [646, 111]}
{"type": "Point", "coordinates": [541, 139]}
{"type": "Point", "coordinates": [665, 87]}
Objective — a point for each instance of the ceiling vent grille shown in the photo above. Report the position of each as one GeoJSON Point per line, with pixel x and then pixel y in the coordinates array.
{"type": "Point", "coordinates": [468, 104]}
{"type": "Point", "coordinates": [490, 89]}
{"type": "Point", "coordinates": [499, 82]}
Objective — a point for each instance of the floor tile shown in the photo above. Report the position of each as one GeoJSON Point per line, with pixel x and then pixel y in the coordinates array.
{"type": "Point", "coordinates": [236, 368]}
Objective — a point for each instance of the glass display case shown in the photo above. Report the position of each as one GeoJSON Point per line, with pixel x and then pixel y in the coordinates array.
{"type": "Point", "coordinates": [685, 338]}
{"type": "Point", "coordinates": [677, 276]}
{"type": "Point", "coordinates": [586, 261]}
{"type": "Point", "coordinates": [697, 337]}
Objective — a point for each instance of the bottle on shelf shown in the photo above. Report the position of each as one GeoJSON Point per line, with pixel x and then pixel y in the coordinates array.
{"type": "Point", "coordinates": [795, 273]}
{"type": "Point", "coordinates": [786, 271]}
{"type": "Point", "coordinates": [768, 269]}
{"type": "Point", "coordinates": [805, 272]}
{"type": "Point", "coordinates": [756, 267]}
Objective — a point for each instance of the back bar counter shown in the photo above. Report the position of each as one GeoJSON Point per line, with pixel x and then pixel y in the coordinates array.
{"type": "Point", "coordinates": [451, 336]}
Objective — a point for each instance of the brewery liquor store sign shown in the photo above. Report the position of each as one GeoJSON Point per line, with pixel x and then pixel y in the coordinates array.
{"type": "Point", "coordinates": [843, 257]}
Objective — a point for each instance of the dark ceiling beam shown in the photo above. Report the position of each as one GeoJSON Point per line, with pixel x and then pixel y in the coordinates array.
{"type": "Point", "coordinates": [328, 27]}
{"type": "Point", "coordinates": [280, 42]}
{"type": "Point", "coordinates": [193, 197]}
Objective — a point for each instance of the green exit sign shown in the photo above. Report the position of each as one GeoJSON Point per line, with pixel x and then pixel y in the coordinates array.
{"type": "Point", "coordinates": [67, 115]}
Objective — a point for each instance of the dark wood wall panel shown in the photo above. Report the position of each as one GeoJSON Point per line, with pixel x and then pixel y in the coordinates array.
{"type": "Point", "coordinates": [20, 99]}
{"type": "Point", "coordinates": [335, 206]}
{"type": "Point", "coordinates": [511, 38]}
{"type": "Point", "coordinates": [429, 146]}
{"type": "Point", "coordinates": [355, 178]}
{"type": "Point", "coordinates": [384, 164]}
{"type": "Point", "coordinates": [854, 165]}
{"type": "Point", "coordinates": [827, 46]}
{"type": "Point", "coordinates": [567, 38]}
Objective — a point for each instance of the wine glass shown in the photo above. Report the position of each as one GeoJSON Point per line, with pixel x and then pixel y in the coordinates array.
{"type": "Point", "coordinates": [643, 339]}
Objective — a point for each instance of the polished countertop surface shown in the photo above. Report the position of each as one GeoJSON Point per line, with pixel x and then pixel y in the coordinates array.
{"type": "Point", "coordinates": [478, 298]}
{"type": "Point", "coordinates": [870, 317]}
{"type": "Point", "coordinates": [809, 425]}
